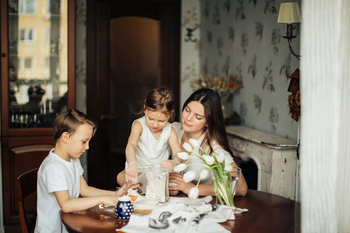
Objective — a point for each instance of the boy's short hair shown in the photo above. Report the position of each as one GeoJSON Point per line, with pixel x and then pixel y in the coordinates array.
{"type": "Point", "coordinates": [69, 121]}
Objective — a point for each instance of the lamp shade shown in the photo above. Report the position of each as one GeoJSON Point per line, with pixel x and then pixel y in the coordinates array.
{"type": "Point", "coordinates": [289, 13]}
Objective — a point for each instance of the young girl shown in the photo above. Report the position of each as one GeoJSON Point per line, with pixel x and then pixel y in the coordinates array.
{"type": "Point", "coordinates": [151, 135]}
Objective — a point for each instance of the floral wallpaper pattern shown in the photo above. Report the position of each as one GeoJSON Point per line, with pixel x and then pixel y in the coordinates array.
{"type": "Point", "coordinates": [190, 46]}
{"type": "Point", "coordinates": [80, 69]}
{"type": "Point", "coordinates": [243, 36]}
{"type": "Point", "coordinates": [248, 41]}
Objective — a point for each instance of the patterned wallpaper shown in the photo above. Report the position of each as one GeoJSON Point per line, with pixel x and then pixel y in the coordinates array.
{"type": "Point", "coordinates": [190, 47]}
{"type": "Point", "coordinates": [245, 38]}
{"type": "Point", "coordinates": [80, 68]}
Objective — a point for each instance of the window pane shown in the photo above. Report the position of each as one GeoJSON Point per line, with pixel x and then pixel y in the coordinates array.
{"type": "Point", "coordinates": [28, 63]}
{"type": "Point", "coordinates": [38, 64]}
{"type": "Point", "coordinates": [30, 34]}
{"type": "Point", "coordinates": [22, 35]}
{"type": "Point", "coordinates": [31, 6]}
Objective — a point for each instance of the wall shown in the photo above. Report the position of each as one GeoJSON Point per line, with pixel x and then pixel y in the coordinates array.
{"type": "Point", "coordinates": [245, 38]}
{"type": "Point", "coordinates": [190, 50]}
{"type": "Point", "coordinates": [81, 66]}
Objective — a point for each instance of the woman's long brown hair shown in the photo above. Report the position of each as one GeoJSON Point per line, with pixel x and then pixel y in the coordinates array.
{"type": "Point", "coordinates": [215, 129]}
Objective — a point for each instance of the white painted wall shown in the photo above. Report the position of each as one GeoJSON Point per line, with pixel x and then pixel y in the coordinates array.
{"type": "Point", "coordinates": [325, 122]}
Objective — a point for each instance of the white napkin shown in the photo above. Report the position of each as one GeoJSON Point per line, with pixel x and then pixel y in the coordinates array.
{"type": "Point", "coordinates": [183, 215]}
{"type": "Point", "coordinates": [142, 203]}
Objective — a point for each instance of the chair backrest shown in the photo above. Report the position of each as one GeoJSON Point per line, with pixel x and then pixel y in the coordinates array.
{"type": "Point", "coordinates": [27, 184]}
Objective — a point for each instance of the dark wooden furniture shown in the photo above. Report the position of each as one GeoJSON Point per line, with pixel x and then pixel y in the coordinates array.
{"type": "Point", "coordinates": [24, 148]}
{"type": "Point", "coordinates": [27, 186]}
{"type": "Point", "coordinates": [267, 213]}
{"type": "Point", "coordinates": [133, 46]}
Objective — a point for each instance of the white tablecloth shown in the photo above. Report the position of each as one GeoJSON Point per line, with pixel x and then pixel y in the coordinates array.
{"type": "Point", "coordinates": [183, 215]}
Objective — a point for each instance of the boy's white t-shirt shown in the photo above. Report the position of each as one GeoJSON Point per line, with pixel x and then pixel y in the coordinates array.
{"type": "Point", "coordinates": [55, 174]}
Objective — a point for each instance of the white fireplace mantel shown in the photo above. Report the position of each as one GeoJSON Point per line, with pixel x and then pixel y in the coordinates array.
{"type": "Point", "coordinates": [275, 157]}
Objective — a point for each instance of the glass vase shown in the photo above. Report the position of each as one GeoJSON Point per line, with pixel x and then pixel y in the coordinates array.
{"type": "Point", "coordinates": [225, 185]}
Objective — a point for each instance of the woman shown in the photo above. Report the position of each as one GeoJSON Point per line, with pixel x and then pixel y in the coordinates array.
{"type": "Point", "coordinates": [202, 119]}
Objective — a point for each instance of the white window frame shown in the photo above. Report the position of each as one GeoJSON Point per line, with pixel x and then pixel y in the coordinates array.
{"type": "Point", "coordinates": [24, 7]}
{"type": "Point", "coordinates": [47, 65]}
{"type": "Point", "coordinates": [48, 35]}
{"type": "Point", "coordinates": [22, 63]}
{"type": "Point", "coordinates": [27, 32]}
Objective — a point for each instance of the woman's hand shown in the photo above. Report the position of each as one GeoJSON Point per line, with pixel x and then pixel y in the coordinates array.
{"type": "Point", "coordinates": [170, 163]}
{"type": "Point", "coordinates": [181, 184]}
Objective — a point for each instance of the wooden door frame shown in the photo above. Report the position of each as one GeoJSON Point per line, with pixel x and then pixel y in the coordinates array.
{"type": "Point", "coordinates": [171, 62]}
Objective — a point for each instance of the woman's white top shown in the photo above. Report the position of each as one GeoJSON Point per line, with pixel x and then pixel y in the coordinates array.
{"type": "Point", "coordinates": [150, 150]}
{"type": "Point", "coordinates": [217, 149]}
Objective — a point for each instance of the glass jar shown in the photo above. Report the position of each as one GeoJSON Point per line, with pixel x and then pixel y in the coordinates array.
{"type": "Point", "coordinates": [157, 184]}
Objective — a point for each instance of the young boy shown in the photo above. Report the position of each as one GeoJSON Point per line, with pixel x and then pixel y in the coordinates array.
{"type": "Point", "coordinates": [60, 180]}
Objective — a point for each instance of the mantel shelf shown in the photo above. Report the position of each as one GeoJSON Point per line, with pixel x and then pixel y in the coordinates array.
{"type": "Point", "coordinates": [270, 140]}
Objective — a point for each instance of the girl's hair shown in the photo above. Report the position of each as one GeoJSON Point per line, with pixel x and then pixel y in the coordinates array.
{"type": "Point", "coordinates": [160, 99]}
{"type": "Point", "coordinates": [215, 127]}
{"type": "Point", "coordinates": [69, 121]}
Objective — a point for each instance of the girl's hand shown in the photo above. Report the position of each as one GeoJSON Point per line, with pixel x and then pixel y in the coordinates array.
{"type": "Point", "coordinates": [122, 190]}
{"type": "Point", "coordinates": [181, 184]}
{"type": "Point", "coordinates": [131, 173]}
{"type": "Point", "coordinates": [169, 163]}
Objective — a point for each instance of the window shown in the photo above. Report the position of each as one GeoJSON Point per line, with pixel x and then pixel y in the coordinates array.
{"type": "Point", "coordinates": [27, 6]}
{"type": "Point", "coordinates": [26, 35]}
{"type": "Point", "coordinates": [47, 65]}
{"type": "Point", "coordinates": [25, 63]}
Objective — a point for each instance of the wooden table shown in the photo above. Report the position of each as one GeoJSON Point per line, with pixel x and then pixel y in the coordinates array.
{"type": "Point", "coordinates": [267, 213]}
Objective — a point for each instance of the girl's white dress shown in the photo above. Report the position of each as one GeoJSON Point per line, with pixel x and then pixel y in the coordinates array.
{"type": "Point", "coordinates": [150, 150]}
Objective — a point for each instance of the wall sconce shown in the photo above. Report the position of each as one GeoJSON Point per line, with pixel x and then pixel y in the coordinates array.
{"type": "Point", "coordinates": [289, 13]}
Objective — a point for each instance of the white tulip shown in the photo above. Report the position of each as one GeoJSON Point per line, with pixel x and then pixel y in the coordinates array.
{"type": "Point", "coordinates": [193, 193]}
{"type": "Point", "coordinates": [228, 167]}
{"type": "Point", "coordinates": [183, 155]}
{"type": "Point", "coordinates": [204, 174]}
{"type": "Point", "coordinates": [209, 159]}
{"type": "Point", "coordinates": [189, 176]}
{"type": "Point", "coordinates": [220, 157]}
{"type": "Point", "coordinates": [187, 147]}
{"type": "Point", "coordinates": [194, 143]}
{"type": "Point", "coordinates": [180, 167]}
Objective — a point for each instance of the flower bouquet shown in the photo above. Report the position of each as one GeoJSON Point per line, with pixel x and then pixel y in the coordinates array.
{"type": "Point", "coordinates": [224, 86]}
{"type": "Point", "coordinates": [225, 178]}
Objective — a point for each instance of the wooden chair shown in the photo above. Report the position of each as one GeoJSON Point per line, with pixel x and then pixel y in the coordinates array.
{"type": "Point", "coordinates": [27, 184]}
